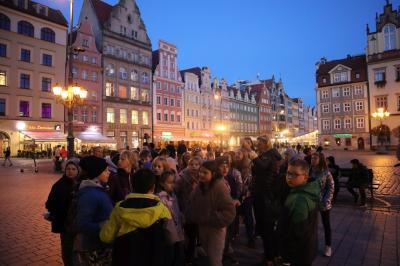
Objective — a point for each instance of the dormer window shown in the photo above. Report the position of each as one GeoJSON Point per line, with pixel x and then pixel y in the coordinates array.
{"type": "Point", "coordinates": [340, 77]}
{"type": "Point", "coordinates": [324, 80]}
{"type": "Point", "coordinates": [389, 32]}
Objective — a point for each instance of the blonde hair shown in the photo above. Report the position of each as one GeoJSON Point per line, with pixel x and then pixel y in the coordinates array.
{"type": "Point", "coordinates": [163, 161]}
{"type": "Point", "coordinates": [195, 159]}
{"type": "Point", "coordinates": [131, 158]}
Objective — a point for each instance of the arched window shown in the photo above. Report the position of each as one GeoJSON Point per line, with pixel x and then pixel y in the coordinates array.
{"type": "Point", "coordinates": [4, 22]}
{"type": "Point", "coordinates": [122, 73]}
{"type": "Point", "coordinates": [145, 78]}
{"type": "Point", "coordinates": [25, 28]}
{"type": "Point", "coordinates": [48, 35]}
{"type": "Point", "coordinates": [134, 75]}
{"type": "Point", "coordinates": [389, 32]}
{"type": "Point", "coordinates": [110, 70]}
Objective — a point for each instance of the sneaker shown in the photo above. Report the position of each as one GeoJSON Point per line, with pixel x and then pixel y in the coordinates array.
{"type": "Point", "coordinates": [328, 251]}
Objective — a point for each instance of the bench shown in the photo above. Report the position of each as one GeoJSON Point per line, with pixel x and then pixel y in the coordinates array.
{"type": "Point", "coordinates": [345, 174]}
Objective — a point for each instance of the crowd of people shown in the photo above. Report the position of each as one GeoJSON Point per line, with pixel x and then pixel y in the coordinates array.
{"type": "Point", "coordinates": [172, 206]}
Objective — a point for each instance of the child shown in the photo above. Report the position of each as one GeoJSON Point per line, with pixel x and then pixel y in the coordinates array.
{"type": "Point", "coordinates": [158, 166]}
{"type": "Point", "coordinates": [212, 209]}
{"type": "Point", "coordinates": [145, 159]}
{"type": "Point", "coordinates": [175, 256]}
{"type": "Point", "coordinates": [300, 215]}
{"type": "Point", "coordinates": [135, 226]}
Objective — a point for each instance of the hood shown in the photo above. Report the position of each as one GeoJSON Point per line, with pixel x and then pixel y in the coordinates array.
{"type": "Point", "coordinates": [312, 189]}
{"type": "Point", "coordinates": [303, 200]}
{"type": "Point", "coordinates": [90, 183]}
{"type": "Point", "coordinates": [144, 217]}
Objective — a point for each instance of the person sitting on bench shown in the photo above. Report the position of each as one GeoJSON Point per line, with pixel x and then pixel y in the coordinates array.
{"type": "Point", "coordinates": [358, 179]}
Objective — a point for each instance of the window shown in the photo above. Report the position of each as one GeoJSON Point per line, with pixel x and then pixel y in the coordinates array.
{"type": "Point", "coordinates": [94, 116]}
{"type": "Point", "coordinates": [381, 102]}
{"type": "Point", "coordinates": [346, 107]}
{"type": "Point", "coordinates": [325, 94]}
{"type": "Point", "coordinates": [25, 28]}
{"type": "Point", "coordinates": [2, 107]}
{"type": "Point", "coordinates": [145, 117]}
{"type": "Point", "coordinates": [346, 91]}
{"type": "Point", "coordinates": [110, 71]}
{"type": "Point", "coordinates": [380, 75]}
{"type": "Point", "coordinates": [3, 50]}
{"type": "Point", "coordinates": [358, 90]}
{"type": "Point", "coordinates": [145, 78]}
{"type": "Point", "coordinates": [25, 55]}
{"type": "Point", "coordinates": [172, 117]}
{"type": "Point", "coordinates": [398, 102]}
{"type": "Point", "coordinates": [24, 81]}
{"type": "Point", "coordinates": [172, 102]}
{"type": "Point", "coordinates": [47, 60]}
{"type": "Point", "coordinates": [325, 108]}
{"type": "Point", "coordinates": [111, 134]}
{"type": "Point", "coordinates": [326, 124]}
{"type": "Point", "coordinates": [124, 137]}
{"type": "Point", "coordinates": [4, 22]}
{"type": "Point", "coordinates": [135, 117]}
{"type": "Point", "coordinates": [336, 107]}
{"type": "Point", "coordinates": [159, 116]}
{"type": "Point", "coordinates": [94, 60]}
{"type": "Point", "coordinates": [3, 78]}
{"type": "Point", "coordinates": [347, 123]}
{"type": "Point", "coordinates": [340, 77]}
{"type": "Point", "coordinates": [24, 109]}
{"type": "Point", "coordinates": [158, 100]}
{"type": "Point", "coordinates": [134, 75]}
{"type": "Point", "coordinates": [122, 73]}
{"type": "Point", "coordinates": [85, 43]}
{"type": "Point", "coordinates": [360, 122]}
{"type": "Point", "coordinates": [337, 123]}
{"type": "Point", "coordinates": [188, 125]}
{"type": "Point", "coordinates": [75, 115]}
{"type": "Point", "coordinates": [84, 115]}
{"type": "Point", "coordinates": [47, 35]}
{"type": "Point", "coordinates": [134, 93]}
{"type": "Point", "coordinates": [178, 118]}
{"type": "Point", "coordinates": [110, 89]}
{"type": "Point", "coordinates": [74, 72]}
{"type": "Point", "coordinates": [122, 93]}
{"type": "Point", "coordinates": [94, 76]}
{"type": "Point", "coordinates": [165, 117]}
{"type": "Point", "coordinates": [84, 75]}
{"type": "Point", "coordinates": [85, 58]}
{"type": "Point", "coordinates": [46, 84]}
{"type": "Point", "coordinates": [336, 92]}
{"type": "Point", "coordinates": [166, 101]}
{"type": "Point", "coordinates": [110, 115]}
{"type": "Point", "coordinates": [46, 110]}
{"type": "Point", "coordinates": [123, 116]}
{"type": "Point", "coordinates": [389, 32]}
{"type": "Point", "coordinates": [178, 103]}
{"type": "Point", "coordinates": [359, 106]}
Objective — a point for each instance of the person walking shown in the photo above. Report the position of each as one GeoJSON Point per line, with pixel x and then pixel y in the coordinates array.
{"type": "Point", "coordinates": [267, 198]}
{"type": "Point", "coordinates": [7, 157]}
{"type": "Point", "coordinates": [58, 204]}
{"type": "Point", "coordinates": [213, 209]}
{"type": "Point", "coordinates": [358, 179]}
{"type": "Point", "coordinates": [320, 172]}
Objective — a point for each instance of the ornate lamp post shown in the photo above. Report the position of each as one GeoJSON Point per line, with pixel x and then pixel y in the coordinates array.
{"type": "Point", "coordinates": [218, 97]}
{"type": "Point", "coordinates": [381, 114]}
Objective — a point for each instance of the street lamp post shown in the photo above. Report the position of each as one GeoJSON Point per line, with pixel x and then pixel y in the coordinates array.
{"type": "Point", "coordinates": [218, 97]}
{"type": "Point", "coordinates": [381, 114]}
{"type": "Point", "coordinates": [72, 95]}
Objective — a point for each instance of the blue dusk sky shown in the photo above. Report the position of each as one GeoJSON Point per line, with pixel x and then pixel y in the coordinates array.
{"type": "Point", "coordinates": [239, 39]}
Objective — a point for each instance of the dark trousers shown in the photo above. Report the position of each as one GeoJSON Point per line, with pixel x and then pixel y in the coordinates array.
{"type": "Point", "coordinates": [230, 229]}
{"type": "Point", "coordinates": [191, 237]}
{"type": "Point", "coordinates": [327, 227]}
{"type": "Point", "coordinates": [175, 255]}
{"type": "Point", "coordinates": [67, 252]}
{"type": "Point", "coordinates": [247, 208]}
{"type": "Point", "coordinates": [361, 189]}
{"type": "Point", "coordinates": [336, 189]}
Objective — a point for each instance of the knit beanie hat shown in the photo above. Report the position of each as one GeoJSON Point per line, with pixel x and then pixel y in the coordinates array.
{"type": "Point", "coordinates": [93, 166]}
{"type": "Point", "coordinates": [221, 160]}
{"type": "Point", "coordinates": [210, 166]}
{"type": "Point", "coordinates": [75, 162]}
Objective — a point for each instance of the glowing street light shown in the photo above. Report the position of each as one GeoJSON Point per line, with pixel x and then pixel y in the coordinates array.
{"type": "Point", "coordinates": [381, 114]}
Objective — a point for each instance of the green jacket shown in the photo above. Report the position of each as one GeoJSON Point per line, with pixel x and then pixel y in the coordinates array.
{"type": "Point", "coordinates": [299, 223]}
{"type": "Point", "coordinates": [136, 211]}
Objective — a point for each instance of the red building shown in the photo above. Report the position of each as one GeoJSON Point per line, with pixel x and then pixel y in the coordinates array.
{"type": "Point", "coordinates": [264, 106]}
{"type": "Point", "coordinates": [168, 114]}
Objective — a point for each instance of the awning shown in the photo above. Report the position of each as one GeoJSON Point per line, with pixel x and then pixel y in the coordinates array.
{"type": "Point", "coordinates": [45, 135]}
{"type": "Point", "coordinates": [94, 138]}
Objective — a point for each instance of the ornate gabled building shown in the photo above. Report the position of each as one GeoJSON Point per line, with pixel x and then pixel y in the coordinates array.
{"type": "Point", "coordinates": [168, 112]}
{"type": "Point", "coordinates": [383, 58]}
{"type": "Point", "coordinates": [122, 38]}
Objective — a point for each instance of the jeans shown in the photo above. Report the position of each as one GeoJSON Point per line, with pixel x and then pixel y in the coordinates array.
{"type": "Point", "coordinates": [191, 237]}
{"type": "Point", "coordinates": [175, 255]}
{"type": "Point", "coordinates": [67, 252]}
{"type": "Point", "coordinates": [247, 208]}
{"type": "Point", "coordinates": [361, 189]}
{"type": "Point", "coordinates": [327, 227]}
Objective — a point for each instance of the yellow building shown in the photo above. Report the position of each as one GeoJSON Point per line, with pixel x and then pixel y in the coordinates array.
{"type": "Point", "coordinates": [32, 59]}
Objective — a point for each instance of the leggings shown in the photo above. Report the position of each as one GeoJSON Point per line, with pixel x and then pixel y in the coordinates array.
{"type": "Point", "coordinates": [327, 227]}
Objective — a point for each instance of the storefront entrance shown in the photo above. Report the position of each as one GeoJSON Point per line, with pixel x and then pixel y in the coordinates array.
{"type": "Point", "coordinates": [360, 144]}
{"type": "Point", "coordinates": [4, 142]}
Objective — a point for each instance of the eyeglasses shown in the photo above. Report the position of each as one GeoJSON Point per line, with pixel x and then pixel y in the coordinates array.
{"type": "Point", "coordinates": [293, 175]}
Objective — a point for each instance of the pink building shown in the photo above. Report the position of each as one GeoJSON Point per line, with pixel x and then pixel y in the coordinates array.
{"type": "Point", "coordinates": [87, 73]}
{"type": "Point", "coordinates": [168, 95]}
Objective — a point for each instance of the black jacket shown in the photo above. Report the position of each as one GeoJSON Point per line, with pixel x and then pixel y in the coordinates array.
{"type": "Point", "coordinates": [120, 184]}
{"type": "Point", "coordinates": [58, 203]}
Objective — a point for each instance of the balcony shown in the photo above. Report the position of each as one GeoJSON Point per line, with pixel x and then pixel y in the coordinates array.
{"type": "Point", "coordinates": [380, 83]}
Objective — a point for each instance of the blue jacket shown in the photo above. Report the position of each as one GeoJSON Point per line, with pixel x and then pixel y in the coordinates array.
{"type": "Point", "coordinates": [94, 208]}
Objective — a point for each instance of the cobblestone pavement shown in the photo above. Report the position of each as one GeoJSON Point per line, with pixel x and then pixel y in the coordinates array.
{"type": "Point", "coordinates": [361, 236]}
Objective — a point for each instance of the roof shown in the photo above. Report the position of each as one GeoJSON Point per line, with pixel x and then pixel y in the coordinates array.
{"type": "Point", "coordinates": [102, 9]}
{"type": "Point", "coordinates": [155, 60]}
{"type": "Point", "coordinates": [358, 65]}
{"type": "Point", "coordinates": [53, 15]}
{"type": "Point", "coordinates": [193, 70]}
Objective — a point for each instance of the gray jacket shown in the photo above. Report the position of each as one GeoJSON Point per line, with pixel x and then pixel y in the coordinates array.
{"type": "Point", "coordinates": [327, 188]}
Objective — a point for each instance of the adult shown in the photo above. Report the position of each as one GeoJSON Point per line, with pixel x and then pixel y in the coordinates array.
{"type": "Point", "coordinates": [320, 172]}
{"type": "Point", "coordinates": [7, 157]}
{"type": "Point", "coordinates": [181, 148]}
{"type": "Point", "coordinates": [57, 160]}
{"type": "Point", "coordinates": [358, 179]}
{"type": "Point", "coordinates": [58, 203]}
{"type": "Point", "coordinates": [93, 209]}
{"type": "Point", "coordinates": [152, 150]}
{"type": "Point", "coordinates": [298, 147]}
{"type": "Point", "coordinates": [171, 150]}
{"type": "Point", "coordinates": [98, 151]}
{"type": "Point", "coordinates": [267, 206]}
{"type": "Point", "coordinates": [307, 153]}
{"type": "Point", "coordinates": [247, 147]}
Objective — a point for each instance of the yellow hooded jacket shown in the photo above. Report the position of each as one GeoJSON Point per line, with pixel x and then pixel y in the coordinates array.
{"type": "Point", "coordinates": [125, 220]}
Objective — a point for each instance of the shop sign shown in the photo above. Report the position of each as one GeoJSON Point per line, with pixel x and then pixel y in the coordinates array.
{"type": "Point", "coordinates": [166, 135]}
{"type": "Point", "coordinates": [343, 135]}
{"type": "Point", "coordinates": [39, 127]}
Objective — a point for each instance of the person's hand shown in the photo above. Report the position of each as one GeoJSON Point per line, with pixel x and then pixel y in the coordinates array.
{"type": "Point", "coordinates": [236, 202]}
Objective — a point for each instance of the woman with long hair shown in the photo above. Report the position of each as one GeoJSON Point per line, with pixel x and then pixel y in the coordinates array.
{"type": "Point", "coordinates": [247, 147]}
{"type": "Point", "coordinates": [319, 171]}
